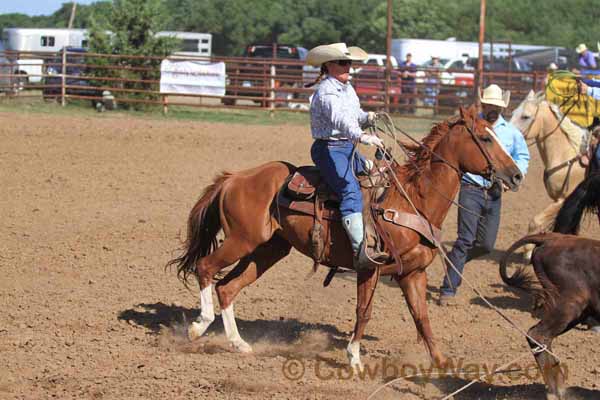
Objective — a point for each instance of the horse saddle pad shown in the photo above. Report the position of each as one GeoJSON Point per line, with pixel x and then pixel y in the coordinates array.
{"type": "Point", "coordinates": [306, 182]}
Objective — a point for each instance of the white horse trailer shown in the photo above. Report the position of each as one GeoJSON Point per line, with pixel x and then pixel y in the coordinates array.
{"type": "Point", "coordinates": [39, 40]}
{"type": "Point", "coordinates": [423, 49]}
{"type": "Point", "coordinates": [192, 43]}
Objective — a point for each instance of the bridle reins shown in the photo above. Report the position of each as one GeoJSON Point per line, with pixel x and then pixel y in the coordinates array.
{"type": "Point", "coordinates": [435, 156]}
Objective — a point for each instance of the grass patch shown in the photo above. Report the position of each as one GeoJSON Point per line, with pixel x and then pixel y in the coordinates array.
{"type": "Point", "coordinates": [33, 104]}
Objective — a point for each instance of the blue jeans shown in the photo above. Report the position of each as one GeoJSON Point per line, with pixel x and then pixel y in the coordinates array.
{"type": "Point", "coordinates": [476, 236]}
{"type": "Point", "coordinates": [334, 158]}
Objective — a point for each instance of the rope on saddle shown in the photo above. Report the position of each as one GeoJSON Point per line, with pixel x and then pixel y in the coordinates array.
{"type": "Point", "coordinates": [573, 96]}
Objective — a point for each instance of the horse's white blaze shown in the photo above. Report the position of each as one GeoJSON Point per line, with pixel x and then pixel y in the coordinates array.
{"type": "Point", "coordinates": [207, 314]}
{"type": "Point", "coordinates": [353, 352]}
{"type": "Point", "coordinates": [231, 331]}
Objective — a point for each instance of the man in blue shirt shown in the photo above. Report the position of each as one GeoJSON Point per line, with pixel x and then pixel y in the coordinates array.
{"type": "Point", "coordinates": [586, 57]}
{"type": "Point", "coordinates": [482, 199]}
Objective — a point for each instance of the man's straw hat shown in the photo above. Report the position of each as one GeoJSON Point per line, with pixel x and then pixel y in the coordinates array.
{"type": "Point", "coordinates": [335, 51]}
{"type": "Point", "coordinates": [581, 48]}
{"type": "Point", "coordinates": [494, 95]}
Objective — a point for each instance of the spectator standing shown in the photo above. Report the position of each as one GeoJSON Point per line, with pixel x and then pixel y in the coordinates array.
{"type": "Point", "coordinates": [432, 88]}
{"type": "Point", "coordinates": [408, 71]}
{"type": "Point", "coordinates": [586, 57]}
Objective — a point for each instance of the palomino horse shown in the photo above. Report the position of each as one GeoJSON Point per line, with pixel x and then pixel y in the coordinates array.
{"type": "Point", "coordinates": [567, 269]}
{"type": "Point", "coordinates": [258, 233]}
{"type": "Point", "coordinates": [559, 144]}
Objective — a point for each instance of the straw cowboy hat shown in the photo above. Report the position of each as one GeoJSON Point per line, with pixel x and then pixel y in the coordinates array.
{"type": "Point", "coordinates": [552, 67]}
{"type": "Point", "coordinates": [581, 48]}
{"type": "Point", "coordinates": [494, 95]}
{"type": "Point", "coordinates": [335, 51]}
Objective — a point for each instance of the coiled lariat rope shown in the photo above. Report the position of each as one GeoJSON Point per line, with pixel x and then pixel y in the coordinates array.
{"type": "Point", "coordinates": [571, 95]}
{"type": "Point", "coordinates": [391, 131]}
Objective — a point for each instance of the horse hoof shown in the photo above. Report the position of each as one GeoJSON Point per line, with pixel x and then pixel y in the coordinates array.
{"type": "Point", "coordinates": [441, 362]}
{"type": "Point", "coordinates": [357, 367]}
{"type": "Point", "coordinates": [241, 346]}
{"type": "Point", "coordinates": [196, 330]}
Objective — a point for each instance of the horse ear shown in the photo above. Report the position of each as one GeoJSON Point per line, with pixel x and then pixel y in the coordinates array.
{"type": "Point", "coordinates": [531, 95]}
{"type": "Point", "coordinates": [468, 114]}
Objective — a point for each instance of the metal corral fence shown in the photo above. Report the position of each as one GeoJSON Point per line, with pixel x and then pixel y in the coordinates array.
{"type": "Point", "coordinates": [249, 83]}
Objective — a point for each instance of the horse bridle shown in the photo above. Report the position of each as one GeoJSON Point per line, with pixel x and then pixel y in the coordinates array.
{"type": "Point", "coordinates": [526, 133]}
{"type": "Point", "coordinates": [491, 169]}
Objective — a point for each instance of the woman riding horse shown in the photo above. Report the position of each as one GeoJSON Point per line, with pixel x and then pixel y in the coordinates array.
{"type": "Point", "coordinates": [336, 122]}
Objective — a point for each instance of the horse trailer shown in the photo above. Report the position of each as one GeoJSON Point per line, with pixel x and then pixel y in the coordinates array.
{"type": "Point", "coordinates": [192, 43]}
{"type": "Point", "coordinates": [30, 40]}
{"type": "Point", "coordinates": [423, 50]}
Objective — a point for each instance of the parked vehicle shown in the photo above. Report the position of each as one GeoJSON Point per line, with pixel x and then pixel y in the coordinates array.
{"type": "Point", "coordinates": [77, 76]}
{"type": "Point", "coordinates": [6, 70]}
{"type": "Point", "coordinates": [369, 84]}
{"type": "Point", "coordinates": [457, 81]}
{"type": "Point", "coordinates": [251, 79]}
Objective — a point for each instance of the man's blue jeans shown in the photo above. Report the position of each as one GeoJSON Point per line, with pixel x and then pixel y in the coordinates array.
{"type": "Point", "coordinates": [476, 236]}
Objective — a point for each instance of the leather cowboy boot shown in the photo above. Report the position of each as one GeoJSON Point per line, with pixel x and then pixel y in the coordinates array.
{"type": "Point", "coordinates": [364, 257]}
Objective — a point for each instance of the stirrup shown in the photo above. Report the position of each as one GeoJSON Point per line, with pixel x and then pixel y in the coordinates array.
{"type": "Point", "coordinates": [368, 259]}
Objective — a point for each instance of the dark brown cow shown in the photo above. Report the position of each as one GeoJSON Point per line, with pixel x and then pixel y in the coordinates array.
{"type": "Point", "coordinates": [568, 269]}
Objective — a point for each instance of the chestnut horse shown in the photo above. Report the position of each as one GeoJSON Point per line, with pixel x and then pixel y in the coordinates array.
{"type": "Point", "coordinates": [568, 271]}
{"type": "Point", "coordinates": [258, 233]}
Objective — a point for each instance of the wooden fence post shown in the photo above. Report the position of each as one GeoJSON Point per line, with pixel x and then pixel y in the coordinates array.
{"type": "Point", "coordinates": [272, 92]}
{"type": "Point", "coordinates": [63, 90]}
{"type": "Point", "coordinates": [165, 101]}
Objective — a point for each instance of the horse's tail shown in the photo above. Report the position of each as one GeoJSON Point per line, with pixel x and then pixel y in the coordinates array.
{"type": "Point", "coordinates": [204, 224]}
{"type": "Point", "coordinates": [521, 278]}
{"type": "Point", "coordinates": [585, 198]}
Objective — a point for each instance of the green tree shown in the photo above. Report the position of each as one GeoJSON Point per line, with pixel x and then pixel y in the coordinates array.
{"type": "Point", "coordinates": [132, 25]}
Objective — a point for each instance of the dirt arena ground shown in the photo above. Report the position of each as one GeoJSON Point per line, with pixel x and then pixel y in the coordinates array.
{"type": "Point", "coordinates": [92, 207]}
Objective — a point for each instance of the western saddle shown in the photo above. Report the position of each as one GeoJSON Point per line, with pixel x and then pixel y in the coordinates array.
{"type": "Point", "coordinates": [305, 192]}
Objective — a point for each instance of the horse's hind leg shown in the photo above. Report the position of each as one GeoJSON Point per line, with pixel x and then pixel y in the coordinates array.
{"type": "Point", "coordinates": [555, 322]}
{"type": "Point", "coordinates": [230, 251]}
{"type": "Point", "coordinates": [248, 270]}
{"type": "Point", "coordinates": [540, 222]}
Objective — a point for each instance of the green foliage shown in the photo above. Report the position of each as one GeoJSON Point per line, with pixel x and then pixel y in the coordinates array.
{"type": "Point", "coordinates": [236, 23]}
{"type": "Point", "coordinates": [132, 24]}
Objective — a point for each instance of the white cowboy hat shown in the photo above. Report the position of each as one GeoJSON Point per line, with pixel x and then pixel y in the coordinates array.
{"type": "Point", "coordinates": [581, 48]}
{"type": "Point", "coordinates": [335, 51]}
{"type": "Point", "coordinates": [494, 95]}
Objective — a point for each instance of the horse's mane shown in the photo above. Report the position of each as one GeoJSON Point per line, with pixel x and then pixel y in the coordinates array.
{"type": "Point", "coordinates": [420, 160]}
